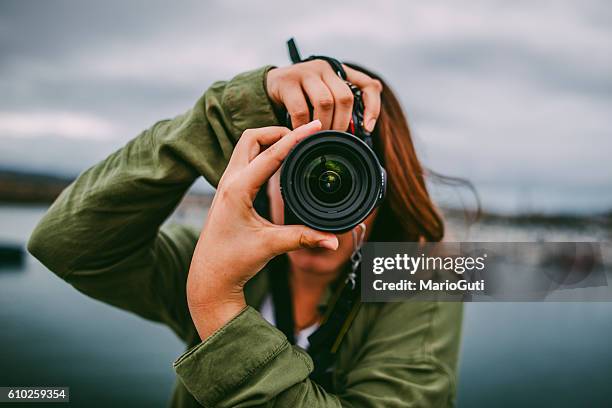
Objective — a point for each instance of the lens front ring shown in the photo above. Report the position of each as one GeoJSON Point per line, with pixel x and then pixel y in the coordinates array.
{"type": "Point", "coordinates": [344, 157]}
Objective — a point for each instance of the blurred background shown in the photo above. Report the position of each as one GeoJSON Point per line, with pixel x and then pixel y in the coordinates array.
{"type": "Point", "coordinates": [514, 96]}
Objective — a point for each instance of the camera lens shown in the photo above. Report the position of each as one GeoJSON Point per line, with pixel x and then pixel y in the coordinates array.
{"type": "Point", "coordinates": [331, 181]}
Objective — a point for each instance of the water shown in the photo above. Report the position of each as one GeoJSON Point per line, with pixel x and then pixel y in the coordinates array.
{"type": "Point", "coordinates": [512, 354]}
{"type": "Point", "coordinates": [53, 335]}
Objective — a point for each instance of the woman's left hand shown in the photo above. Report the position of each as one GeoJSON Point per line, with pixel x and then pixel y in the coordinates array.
{"type": "Point", "coordinates": [236, 242]}
{"type": "Point", "coordinates": [315, 82]}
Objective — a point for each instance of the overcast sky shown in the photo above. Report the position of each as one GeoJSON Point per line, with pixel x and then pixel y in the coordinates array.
{"type": "Point", "coordinates": [516, 96]}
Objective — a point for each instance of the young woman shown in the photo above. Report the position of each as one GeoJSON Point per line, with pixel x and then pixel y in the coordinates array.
{"type": "Point", "coordinates": [104, 236]}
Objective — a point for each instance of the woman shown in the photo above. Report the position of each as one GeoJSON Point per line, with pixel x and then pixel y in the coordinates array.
{"type": "Point", "coordinates": [103, 236]}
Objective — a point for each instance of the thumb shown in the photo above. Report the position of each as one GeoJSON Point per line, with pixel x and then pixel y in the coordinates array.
{"type": "Point", "coordinates": [287, 238]}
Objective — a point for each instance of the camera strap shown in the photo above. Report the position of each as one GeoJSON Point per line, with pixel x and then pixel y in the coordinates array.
{"type": "Point", "coordinates": [341, 310]}
{"type": "Point", "coordinates": [335, 323]}
{"type": "Point", "coordinates": [339, 314]}
{"type": "Point", "coordinates": [294, 54]}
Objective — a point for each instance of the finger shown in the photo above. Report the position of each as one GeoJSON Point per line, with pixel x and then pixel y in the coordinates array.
{"type": "Point", "coordinates": [291, 237]}
{"type": "Point", "coordinates": [371, 89]}
{"type": "Point", "coordinates": [268, 162]}
{"type": "Point", "coordinates": [253, 141]}
{"type": "Point", "coordinates": [321, 99]}
{"type": "Point", "coordinates": [294, 101]}
{"type": "Point", "coordinates": [371, 104]}
{"type": "Point", "coordinates": [343, 101]}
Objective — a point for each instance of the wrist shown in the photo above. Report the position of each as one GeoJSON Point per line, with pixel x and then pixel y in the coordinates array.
{"type": "Point", "coordinates": [212, 300]}
{"type": "Point", "coordinates": [271, 89]}
{"type": "Point", "coordinates": [208, 317]}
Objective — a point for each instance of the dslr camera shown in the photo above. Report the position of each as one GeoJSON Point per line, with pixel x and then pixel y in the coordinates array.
{"type": "Point", "coordinates": [332, 180]}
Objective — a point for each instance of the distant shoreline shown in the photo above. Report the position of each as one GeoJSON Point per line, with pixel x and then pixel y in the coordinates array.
{"type": "Point", "coordinates": [29, 188]}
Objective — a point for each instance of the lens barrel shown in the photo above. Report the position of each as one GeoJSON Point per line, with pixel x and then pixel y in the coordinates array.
{"type": "Point", "coordinates": [331, 181]}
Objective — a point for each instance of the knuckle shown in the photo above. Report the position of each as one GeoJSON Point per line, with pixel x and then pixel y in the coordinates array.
{"type": "Point", "coordinates": [226, 191]}
{"type": "Point", "coordinates": [300, 70]}
{"type": "Point", "coordinates": [300, 114]}
{"type": "Point", "coordinates": [272, 153]}
{"type": "Point", "coordinates": [286, 73]}
{"type": "Point", "coordinates": [315, 66]}
{"type": "Point", "coordinates": [326, 103]}
{"type": "Point", "coordinates": [247, 134]}
{"type": "Point", "coordinates": [377, 85]}
{"type": "Point", "coordinates": [318, 64]}
{"type": "Point", "coordinates": [346, 99]}
{"type": "Point", "coordinates": [304, 241]}
{"type": "Point", "coordinates": [286, 80]}
{"type": "Point", "coordinates": [275, 159]}
{"type": "Point", "coordinates": [223, 193]}
{"type": "Point", "coordinates": [294, 77]}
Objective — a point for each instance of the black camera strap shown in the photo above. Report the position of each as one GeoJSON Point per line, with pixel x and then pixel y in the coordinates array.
{"type": "Point", "coordinates": [294, 54]}
{"type": "Point", "coordinates": [281, 296]}
{"type": "Point", "coordinates": [337, 318]}
{"type": "Point", "coordinates": [335, 323]}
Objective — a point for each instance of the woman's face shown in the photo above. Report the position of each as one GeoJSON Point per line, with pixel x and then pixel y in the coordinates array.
{"type": "Point", "coordinates": [318, 261]}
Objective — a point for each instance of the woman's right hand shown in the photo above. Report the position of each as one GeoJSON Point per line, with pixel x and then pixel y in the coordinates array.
{"type": "Point", "coordinates": [236, 242]}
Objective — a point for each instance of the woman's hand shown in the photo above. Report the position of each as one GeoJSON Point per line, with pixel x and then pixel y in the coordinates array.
{"type": "Point", "coordinates": [328, 94]}
{"type": "Point", "coordinates": [236, 242]}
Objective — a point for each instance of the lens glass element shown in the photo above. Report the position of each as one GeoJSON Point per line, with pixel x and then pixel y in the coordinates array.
{"type": "Point", "coordinates": [329, 179]}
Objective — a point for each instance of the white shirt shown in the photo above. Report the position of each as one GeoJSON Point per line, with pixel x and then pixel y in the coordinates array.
{"type": "Point", "coordinates": [301, 337]}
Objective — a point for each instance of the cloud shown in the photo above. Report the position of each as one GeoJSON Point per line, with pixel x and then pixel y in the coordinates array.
{"type": "Point", "coordinates": [70, 125]}
{"type": "Point", "coordinates": [511, 95]}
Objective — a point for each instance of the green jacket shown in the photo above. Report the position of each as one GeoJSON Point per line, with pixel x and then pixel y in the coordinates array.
{"type": "Point", "coordinates": [104, 235]}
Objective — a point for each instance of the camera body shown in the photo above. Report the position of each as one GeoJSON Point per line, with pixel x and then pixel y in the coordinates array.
{"type": "Point", "coordinates": [332, 180]}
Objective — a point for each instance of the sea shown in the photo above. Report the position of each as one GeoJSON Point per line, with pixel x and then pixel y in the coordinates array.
{"type": "Point", "coordinates": [539, 354]}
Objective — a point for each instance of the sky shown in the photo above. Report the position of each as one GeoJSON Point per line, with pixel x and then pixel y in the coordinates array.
{"type": "Point", "coordinates": [515, 96]}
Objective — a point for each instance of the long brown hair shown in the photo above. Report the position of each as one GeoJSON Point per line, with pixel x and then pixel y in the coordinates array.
{"type": "Point", "coordinates": [407, 213]}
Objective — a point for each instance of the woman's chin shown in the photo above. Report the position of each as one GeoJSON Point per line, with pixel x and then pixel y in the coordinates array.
{"type": "Point", "coordinates": [316, 260]}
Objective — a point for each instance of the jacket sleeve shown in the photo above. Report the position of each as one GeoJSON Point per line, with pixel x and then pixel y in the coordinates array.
{"type": "Point", "coordinates": [407, 359]}
{"type": "Point", "coordinates": [103, 232]}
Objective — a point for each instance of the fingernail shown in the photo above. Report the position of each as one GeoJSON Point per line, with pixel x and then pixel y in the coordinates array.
{"type": "Point", "coordinates": [315, 123]}
{"type": "Point", "coordinates": [328, 243]}
{"type": "Point", "coordinates": [370, 125]}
